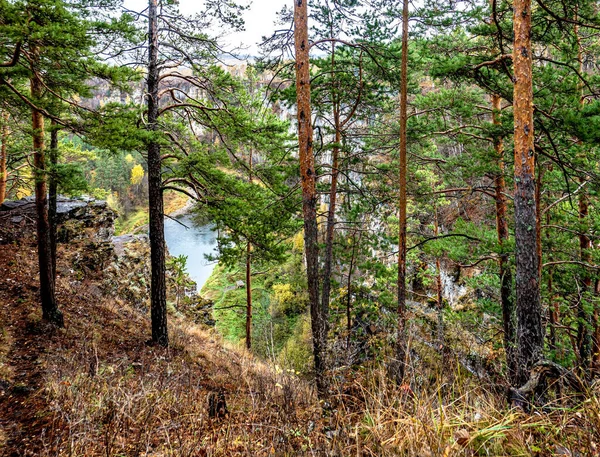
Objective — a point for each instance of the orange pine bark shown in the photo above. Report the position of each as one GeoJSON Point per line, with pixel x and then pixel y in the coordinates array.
{"type": "Point", "coordinates": [309, 190]}
{"type": "Point", "coordinates": [530, 336]}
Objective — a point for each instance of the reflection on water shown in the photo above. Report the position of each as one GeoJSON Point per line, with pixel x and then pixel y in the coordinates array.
{"type": "Point", "coordinates": [194, 241]}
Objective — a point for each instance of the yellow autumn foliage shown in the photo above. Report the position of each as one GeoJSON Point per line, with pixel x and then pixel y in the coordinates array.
{"type": "Point", "coordinates": [137, 174]}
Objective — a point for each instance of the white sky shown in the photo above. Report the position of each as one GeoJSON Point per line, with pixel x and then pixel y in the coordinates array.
{"type": "Point", "coordinates": [260, 19]}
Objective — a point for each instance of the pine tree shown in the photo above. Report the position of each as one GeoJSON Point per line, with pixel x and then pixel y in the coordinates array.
{"type": "Point", "coordinates": [530, 335]}
{"type": "Point", "coordinates": [55, 61]}
{"type": "Point", "coordinates": [401, 343]}
{"type": "Point", "coordinates": [309, 190]}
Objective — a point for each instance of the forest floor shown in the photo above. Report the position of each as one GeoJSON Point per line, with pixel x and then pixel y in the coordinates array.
{"type": "Point", "coordinates": [96, 388]}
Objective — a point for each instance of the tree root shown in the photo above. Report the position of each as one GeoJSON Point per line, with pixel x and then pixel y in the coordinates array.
{"type": "Point", "coordinates": [540, 373]}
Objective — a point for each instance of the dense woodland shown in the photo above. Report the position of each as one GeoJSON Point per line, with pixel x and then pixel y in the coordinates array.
{"type": "Point", "coordinates": [404, 194]}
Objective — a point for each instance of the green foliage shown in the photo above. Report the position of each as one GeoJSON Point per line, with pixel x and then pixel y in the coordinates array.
{"type": "Point", "coordinates": [177, 268]}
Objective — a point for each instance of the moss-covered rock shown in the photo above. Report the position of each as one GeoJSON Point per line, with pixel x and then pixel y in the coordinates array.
{"type": "Point", "coordinates": [128, 273]}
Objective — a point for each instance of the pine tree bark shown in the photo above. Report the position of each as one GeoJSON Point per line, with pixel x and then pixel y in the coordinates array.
{"type": "Point", "coordinates": [553, 308]}
{"type": "Point", "coordinates": [530, 335]}
{"type": "Point", "coordinates": [249, 277]}
{"type": "Point", "coordinates": [309, 191]}
{"type": "Point", "coordinates": [596, 338]}
{"type": "Point", "coordinates": [248, 296]}
{"type": "Point", "coordinates": [504, 270]}
{"type": "Point", "coordinates": [584, 337]}
{"type": "Point", "coordinates": [3, 157]}
{"type": "Point", "coordinates": [401, 339]}
{"type": "Point", "coordinates": [440, 299]}
{"type": "Point", "coordinates": [328, 261]}
{"type": "Point", "coordinates": [52, 195]}
{"type": "Point", "coordinates": [158, 289]}
{"type": "Point", "coordinates": [50, 311]}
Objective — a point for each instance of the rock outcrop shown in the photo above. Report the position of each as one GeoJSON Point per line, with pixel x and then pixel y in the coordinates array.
{"type": "Point", "coordinates": [77, 219]}
{"type": "Point", "coordinates": [85, 229]}
{"type": "Point", "coordinates": [128, 274]}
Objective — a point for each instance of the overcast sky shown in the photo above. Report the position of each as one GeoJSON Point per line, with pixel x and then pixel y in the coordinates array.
{"type": "Point", "coordinates": [260, 19]}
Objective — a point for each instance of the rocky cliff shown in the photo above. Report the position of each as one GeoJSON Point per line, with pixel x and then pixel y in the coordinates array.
{"type": "Point", "coordinates": [85, 236]}
{"type": "Point", "coordinates": [77, 219]}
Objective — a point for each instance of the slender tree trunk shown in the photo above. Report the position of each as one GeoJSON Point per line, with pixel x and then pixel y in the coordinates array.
{"type": "Point", "coordinates": [401, 339]}
{"type": "Point", "coordinates": [509, 317]}
{"type": "Point", "coordinates": [530, 335]}
{"type": "Point", "coordinates": [553, 310]}
{"type": "Point", "coordinates": [349, 287]}
{"type": "Point", "coordinates": [3, 157]}
{"type": "Point", "coordinates": [249, 278]}
{"type": "Point", "coordinates": [584, 340]}
{"type": "Point", "coordinates": [158, 289]}
{"type": "Point", "coordinates": [50, 309]}
{"type": "Point", "coordinates": [438, 288]}
{"type": "Point", "coordinates": [584, 337]}
{"type": "Point", "coordinates": [248, 296]}
{"type": "Point", "coordinates": [538, 216]}
{"type": "Point", "coordinates": [332, 193]}
{"type": "Point", "coordinates": [309, 191]}
{"type": "Point", "coordinates": [505, 272]}
{"type": "Point", "coordinates": [596, 338]}
{"type": "Point", "coordinates": [52, 197]}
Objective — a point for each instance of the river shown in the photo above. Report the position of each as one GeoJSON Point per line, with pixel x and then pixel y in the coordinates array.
{"type": "Point", "coordinates": [194, 242]}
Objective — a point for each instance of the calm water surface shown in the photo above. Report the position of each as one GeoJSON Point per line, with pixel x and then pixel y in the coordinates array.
{"type": "Point", "coordinates": [195, 242]}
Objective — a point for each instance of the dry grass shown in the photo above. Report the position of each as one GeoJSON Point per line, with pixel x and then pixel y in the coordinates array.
{"type": "Point", "coordinates": [453, 416]}
{"type": "Point", "coordinates": [96, 389]}
{"type": "Point", "coordinates": [156, 403]}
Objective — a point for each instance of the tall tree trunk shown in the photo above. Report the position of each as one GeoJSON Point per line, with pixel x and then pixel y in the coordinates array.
{"type": "Point", "coordinates": [553, 309]}
{"type": "Point", "coordinates": [438, 287]}
{"type": "Point", "coordinates": [553, 306]}
{"type": "Point", "coordinates": [504, 270]}
{"type": "Point", "coordinates": [248, 296]}
{"type": "Point", "coordinates": [249, 277]}
{"type": "Point", "coordinates": [50, 309]}
{"type": "Point", "coordinates": [3, 157]}
{"type": "Point", "coordinates": [538, 216]}
{"type": "Point", "coordinates": [158, 289]}
{"type": "Point", "coordinates": [401, 339]}
{"type": "Point", "coordinates": [355, 244]}
{"type": "Point", "coordinates": [309, 191]}
{"type": "Point", "coordinates": [52, 194]}
{"type": "Point", "coordinates": [596, 338]}
{"type": "Point", "coordinates": [335, 154]}
{"type": "Point", "coordinates": [584, 338]}
{"type": "Point", "coordinates": [530, 335]}
{"type": "Point", "coordinates": [509, 317]}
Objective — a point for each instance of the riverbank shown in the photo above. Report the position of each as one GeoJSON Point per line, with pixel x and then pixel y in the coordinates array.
{"type": "Point", "coordinates": [183, 235]}
{"type": "Point", "coordinates": [136, 221]}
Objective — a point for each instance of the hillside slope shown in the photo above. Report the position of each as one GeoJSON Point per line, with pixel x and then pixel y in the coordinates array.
{"type": "Point", "coordinates": [97, 388]}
